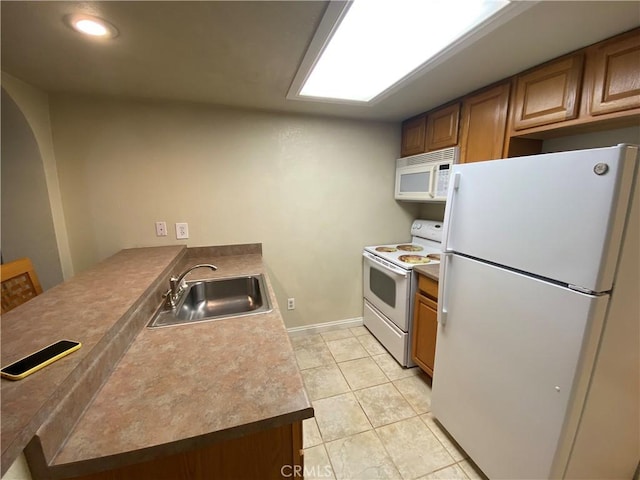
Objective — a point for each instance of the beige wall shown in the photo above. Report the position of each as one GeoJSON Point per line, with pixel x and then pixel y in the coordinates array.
{"type": "Point", "coordinates": [605, 138]}
{"type": "Point", "coordinates": [313, 190]}
{"type": "Point", "coordinates": [34, 105]}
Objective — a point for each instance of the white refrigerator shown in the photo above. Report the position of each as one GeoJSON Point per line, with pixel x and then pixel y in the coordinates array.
{"type": "Point", "coordinates": [537, 365]}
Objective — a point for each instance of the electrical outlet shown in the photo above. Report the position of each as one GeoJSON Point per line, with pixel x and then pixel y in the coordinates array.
{"type": "Point", "coordinates": [182, 230]}
{"type": "Point", "coordinates": [161, 229]}
{"type": "Point", "coordinates": [291, 303]}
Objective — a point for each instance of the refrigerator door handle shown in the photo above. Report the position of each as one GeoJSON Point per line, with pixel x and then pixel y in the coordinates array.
{"type": "Point", "coordinates": [454, 185]}
{"type": "Point", "coordinates": [444, 312]}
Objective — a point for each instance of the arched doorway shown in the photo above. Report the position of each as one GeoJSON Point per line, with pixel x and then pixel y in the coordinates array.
{"type": "Point", "coordinates": [27, 223]}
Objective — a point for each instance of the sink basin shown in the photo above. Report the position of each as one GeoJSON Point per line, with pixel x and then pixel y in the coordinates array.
{"type": "Point", "coordinates": [216, 299]}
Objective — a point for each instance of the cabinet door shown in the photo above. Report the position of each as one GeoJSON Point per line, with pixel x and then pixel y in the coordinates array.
{"type": "Point", "coordinates": [548, 94]}
{"type": "Point", "coordinates": [484, 121]}
{"type": "Point", "coordinates": [425, 327]}
{"type": "Point", "coordinates": [616, 74]}
{"type": "Point", "coordinates": [413, 136]}
{"type": "Point", "coordinates": [442, 128]}
{"type": "Point", "coordinates": [262, 454]}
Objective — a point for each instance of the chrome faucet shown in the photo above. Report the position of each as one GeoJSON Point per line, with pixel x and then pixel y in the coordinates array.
{"type": "Point", "coordinates": [177, 284]}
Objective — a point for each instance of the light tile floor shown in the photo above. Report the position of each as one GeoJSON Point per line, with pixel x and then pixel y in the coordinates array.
{"type": "Point", "coordinates": [372, 417]}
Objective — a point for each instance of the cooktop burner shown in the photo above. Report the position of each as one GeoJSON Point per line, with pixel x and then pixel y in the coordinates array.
{"type": "Point", "coordinates": [414, 259]}
{"type": "Point", "coordinates": [410, 248]}
{"type": "Point", "coordinates": [423, 248]}
{"type": "Point", "coordinates": [406, 255]}
{"type": "Point", "coordinates": [386, 249]}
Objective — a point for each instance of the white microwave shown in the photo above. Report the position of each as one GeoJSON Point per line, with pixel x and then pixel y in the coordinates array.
{"type": "Point", "coordinates": [425, 177]}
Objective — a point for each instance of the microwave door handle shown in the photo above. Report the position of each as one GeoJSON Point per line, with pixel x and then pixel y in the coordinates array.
{"type": "Point", "coordinates": [432, 181]}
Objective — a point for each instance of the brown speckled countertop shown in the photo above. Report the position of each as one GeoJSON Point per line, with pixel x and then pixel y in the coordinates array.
{"type": "Point", "coordinates": [92, 308]}
{"type": "Point", "coordinates": [431, 271]}
{"type": "Point", "coordinates": [175, 388]}
{"type": "Point", "coordinates": [183, 386]}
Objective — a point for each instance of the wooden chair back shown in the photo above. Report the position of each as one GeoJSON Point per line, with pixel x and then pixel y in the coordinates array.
{"type": "Point", "coordinates": [19, 283]}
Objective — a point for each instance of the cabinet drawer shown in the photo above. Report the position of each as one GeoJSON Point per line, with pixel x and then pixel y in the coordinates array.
{"type": "Point", "coordinates": [428, 286]}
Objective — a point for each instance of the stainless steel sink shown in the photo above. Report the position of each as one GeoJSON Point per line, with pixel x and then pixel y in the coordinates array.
{"type": "Point", "coordinates": [215, 299]}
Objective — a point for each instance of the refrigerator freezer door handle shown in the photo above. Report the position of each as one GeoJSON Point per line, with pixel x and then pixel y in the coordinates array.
{"type": "Point", "coordinates": [454, 186]}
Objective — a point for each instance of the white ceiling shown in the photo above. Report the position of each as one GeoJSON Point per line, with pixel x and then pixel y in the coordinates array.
{"type": "Point", "coordinates": [246, 54]}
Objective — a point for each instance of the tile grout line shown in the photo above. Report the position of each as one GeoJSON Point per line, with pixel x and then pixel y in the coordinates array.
{"type": "Point", "coordinates": [373, 428]}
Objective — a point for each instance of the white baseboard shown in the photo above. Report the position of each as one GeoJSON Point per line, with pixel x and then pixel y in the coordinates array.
{"type": "Point", "coordinates": [325, 327]}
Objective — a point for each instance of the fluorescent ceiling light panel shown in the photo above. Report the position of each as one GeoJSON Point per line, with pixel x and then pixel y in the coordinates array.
{"type": "Point", "coordinates": [379, 42]}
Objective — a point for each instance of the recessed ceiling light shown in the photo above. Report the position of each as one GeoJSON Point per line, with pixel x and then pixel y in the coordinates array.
{"type": "Point", "coordinates": [373, 45]}
{"type": "Point", "coordinates": [92, 26]}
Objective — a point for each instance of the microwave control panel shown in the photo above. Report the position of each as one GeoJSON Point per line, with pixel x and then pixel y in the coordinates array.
{"type": "Point", "coordinates": [442, 180]}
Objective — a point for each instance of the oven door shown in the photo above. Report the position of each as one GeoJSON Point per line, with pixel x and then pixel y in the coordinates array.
{"type": "Point", "coordinates": [388, 288]}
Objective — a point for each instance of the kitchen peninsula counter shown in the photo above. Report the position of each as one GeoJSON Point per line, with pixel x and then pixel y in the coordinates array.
{"type": "Point", "coordinates": [181, 387]}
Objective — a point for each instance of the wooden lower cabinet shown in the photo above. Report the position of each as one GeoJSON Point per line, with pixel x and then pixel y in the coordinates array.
{"type": "Point", "coordinates": [269, 454]}
{"type": "Point", "coordinates": [425, 325]}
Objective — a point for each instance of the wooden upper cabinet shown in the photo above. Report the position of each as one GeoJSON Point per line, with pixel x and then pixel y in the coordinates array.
{"type": "Point", "coordinates": [595, 88]}
{"type": "Point", "coordinates": [549, 93]}
{"type": "Point", "coordinates": [413, 135]}
{"type": "Point", "coordinates": [424, 133]}
{"type": "Point", "coordinates": [616, 74]}
{"type": "Point", "coordinates": [442, 128]}
{"type": "Point", "coordinates": [483, 125]}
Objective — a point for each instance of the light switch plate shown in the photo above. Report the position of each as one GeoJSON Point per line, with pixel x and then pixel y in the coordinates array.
{"type": "Point", "coordinates": [182, 230]}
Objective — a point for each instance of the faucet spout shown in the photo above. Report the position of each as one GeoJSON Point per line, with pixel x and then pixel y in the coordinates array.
{"type": "Point", "coordinates": [177, 284]}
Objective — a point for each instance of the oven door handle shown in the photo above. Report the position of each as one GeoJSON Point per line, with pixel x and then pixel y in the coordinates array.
{"type": "Point", "coordinates": [384, 264]}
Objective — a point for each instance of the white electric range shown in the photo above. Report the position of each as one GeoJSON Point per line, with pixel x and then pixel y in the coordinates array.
{"type": "Point", "coordinates": [389, 286]}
